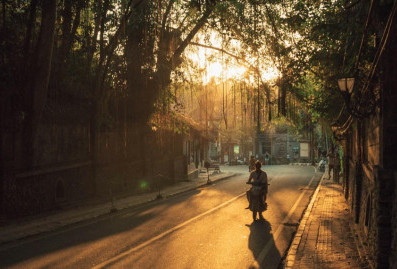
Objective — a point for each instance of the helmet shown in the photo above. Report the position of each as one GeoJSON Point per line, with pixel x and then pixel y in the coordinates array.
{"type": "Point", "coordinates": [258, 164]}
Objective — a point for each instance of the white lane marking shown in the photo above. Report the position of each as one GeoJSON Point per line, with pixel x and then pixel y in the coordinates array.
{"type": "Point", "coordinates": [260, 258]}
{"type": "Point", "coordinates": [144, 244]}
{"type": "Point", "coordinates": [280, 228]}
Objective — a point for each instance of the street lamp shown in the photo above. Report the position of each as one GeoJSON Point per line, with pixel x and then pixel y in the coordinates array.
{"type": "Point", "coordinates": [358, 106]}
{"type": "Point", "coordinates": [346, 84]}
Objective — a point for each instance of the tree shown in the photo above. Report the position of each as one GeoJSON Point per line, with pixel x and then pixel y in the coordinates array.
{"type": "Point", "coordinates": [152, 58]}
{"type": "Point", "coordinates": [36, 89]}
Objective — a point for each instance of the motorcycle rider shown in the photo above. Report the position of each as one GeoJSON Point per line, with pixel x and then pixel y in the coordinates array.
{"type": "Point", "coordinates": [257, 194]}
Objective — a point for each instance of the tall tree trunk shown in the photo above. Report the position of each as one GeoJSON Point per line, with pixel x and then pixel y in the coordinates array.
{"type": "Point", "coordinates": [37, 90]}
{"type": "Point", "coordinates": [67, 16]}
{"type": "Point", "coordinates": [3, 32]}
{"type": "Point", "coordinates": [282, 92]}
{"type": "Point", "coordinates": [26, 64]}
{"type": "Point", "coordinates": [29, 28]}
{"type": "Point", "coordinates": [93, 41]}
{"type": "Point", "coordinates": [135, 81]}
{"type": "Point", "coordinates": [97, 89]}
{"type": "Point", "coordinates": [268, 104]}
{"type": "Point", "coordinates": [69, 29]}
{"type": "Point", "coordinates": [279, 100]}
{"type": "Point", "coordinates": [283, 99]}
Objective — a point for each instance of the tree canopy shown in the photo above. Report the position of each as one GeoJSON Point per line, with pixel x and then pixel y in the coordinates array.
{"type": "Point", "coordinates": [80, 59]}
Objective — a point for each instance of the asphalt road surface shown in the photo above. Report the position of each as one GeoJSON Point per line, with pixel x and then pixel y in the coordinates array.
{"type": "Point", "coordinates": [204, 228]}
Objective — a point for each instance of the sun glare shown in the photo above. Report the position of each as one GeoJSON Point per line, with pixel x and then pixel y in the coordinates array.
{"type": "Point", "coordinates": [270, 73]}
{"type": "Point", "coordinates": [217, 71]}
{"type": "Point", "coordinates": [222, 67]}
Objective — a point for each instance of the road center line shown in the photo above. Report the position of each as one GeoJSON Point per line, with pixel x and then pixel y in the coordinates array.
{"type": "Point", "coordinates": [144, 244]}
{"type": "Point", "coordinates": [280, 228]}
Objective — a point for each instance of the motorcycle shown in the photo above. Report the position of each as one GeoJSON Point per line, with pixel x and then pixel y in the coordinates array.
{"type": "Point", "coordinates": [256, 196]}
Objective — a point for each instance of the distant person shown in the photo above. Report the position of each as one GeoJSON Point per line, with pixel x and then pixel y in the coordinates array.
{"type": "Point", "coordinates": [336, 167]}
{"type": "Point", "coordinates": [267, 158]}
{"type": "Point", "coordinates": [251, 165]}
{"type": "Point", "coordinates": [331, 162]}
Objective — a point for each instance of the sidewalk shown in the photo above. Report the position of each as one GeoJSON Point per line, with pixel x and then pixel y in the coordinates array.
{"type": "Point", "coordinates": [324, 238]}
{"type": "Point", "coordinates": [53, 221]}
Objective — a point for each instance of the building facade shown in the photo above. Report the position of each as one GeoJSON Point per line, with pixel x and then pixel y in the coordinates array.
{"type": "Point", "coordinates": [369, 139]}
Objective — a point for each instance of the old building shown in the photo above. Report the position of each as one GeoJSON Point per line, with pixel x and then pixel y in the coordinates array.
{"type": "Point", "coordinates": [282, 147]}
{"type": "Point", "coordinates": [367, 129]}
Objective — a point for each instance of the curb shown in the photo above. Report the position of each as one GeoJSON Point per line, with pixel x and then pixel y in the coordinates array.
{"type": "Point", "coordinates": [103, 212]}
{"type": "Point", "coordinates": [300, 164]}
{"type": "Point", "coordinates": [290, 259]}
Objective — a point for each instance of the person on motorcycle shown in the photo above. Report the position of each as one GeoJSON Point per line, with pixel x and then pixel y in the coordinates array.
{"type": "Point", "coordinates": [258, 192]}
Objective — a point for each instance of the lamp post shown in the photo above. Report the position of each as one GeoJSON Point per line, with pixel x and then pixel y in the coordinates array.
{"type": "Point", "coordinates": [346, 85]}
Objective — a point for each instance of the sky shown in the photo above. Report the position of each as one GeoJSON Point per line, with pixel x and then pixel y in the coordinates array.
{"type": "Point", "coordinates": [223, 67]}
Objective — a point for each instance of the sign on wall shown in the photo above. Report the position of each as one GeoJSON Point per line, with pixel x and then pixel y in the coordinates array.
{"type": "Point", "coordinates": [236, 149]}
{"type": "Point", "coordinates": [304, 150]}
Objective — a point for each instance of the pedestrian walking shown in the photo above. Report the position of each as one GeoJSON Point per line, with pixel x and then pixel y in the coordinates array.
{"type": "Point", "coordinates": [251, 165]}
{"type": "Point", "coordinates": [331, 162]}
{"type": "Point", "coordinates": [267, 158]}
{"type": "Point", "coordinates": [336, 167]}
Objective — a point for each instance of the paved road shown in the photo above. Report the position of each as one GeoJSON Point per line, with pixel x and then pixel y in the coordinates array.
{"type": "Point", "coordinates": [205, 228]}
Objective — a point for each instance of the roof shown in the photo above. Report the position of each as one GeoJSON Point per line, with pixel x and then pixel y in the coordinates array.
{"type": "Point", "coordinates": [204, 132]}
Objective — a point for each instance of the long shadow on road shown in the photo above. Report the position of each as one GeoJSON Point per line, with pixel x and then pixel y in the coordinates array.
{"type": "Point", "coordinates": [93, 243]}
{"type": "Point", "coordinates": [120, 225]}
{"type": "Point", "coordinates": [261, 243]}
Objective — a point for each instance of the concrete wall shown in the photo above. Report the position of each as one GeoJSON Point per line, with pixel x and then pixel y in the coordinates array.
{"type": "Point", "coordinates": [64, 173]}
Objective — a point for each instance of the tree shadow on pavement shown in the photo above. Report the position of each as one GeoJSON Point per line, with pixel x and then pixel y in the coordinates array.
{"type": "Point", "coordinates": [261, 243]}
{"type": "Point", "coordinates": [68, 246]}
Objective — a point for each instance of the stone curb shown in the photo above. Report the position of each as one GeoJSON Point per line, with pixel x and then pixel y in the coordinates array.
{"type": "Point", "coordinates": [95, 212]}
{"type": "Point", "coordinates": [300, 164]}
{"type": "Point", "coordinates": [290, 259]}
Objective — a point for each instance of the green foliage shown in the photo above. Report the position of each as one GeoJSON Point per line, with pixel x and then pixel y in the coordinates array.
{"type": "Point", "coordinates": [110, 64]}
{"type": "Point", "coordinates": [283, 125]}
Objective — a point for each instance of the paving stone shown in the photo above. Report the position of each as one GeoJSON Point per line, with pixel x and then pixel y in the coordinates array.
{"type": "Point", "coordinates": [326, 241]}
